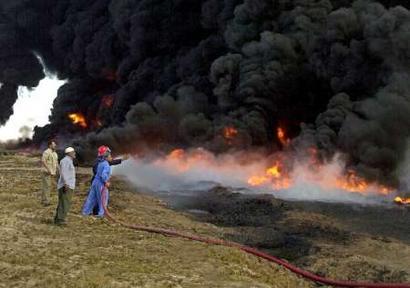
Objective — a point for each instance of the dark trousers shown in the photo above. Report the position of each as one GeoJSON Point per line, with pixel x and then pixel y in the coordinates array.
{"type": "Point", "coordinates": [64, 203]}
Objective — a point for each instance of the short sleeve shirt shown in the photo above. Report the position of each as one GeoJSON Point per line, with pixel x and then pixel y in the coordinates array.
{"type": "Point", "coordinates": [50, 160]}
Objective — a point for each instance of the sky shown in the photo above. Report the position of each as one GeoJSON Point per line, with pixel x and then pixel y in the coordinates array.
{"type": "Point", "coordinates": [31, 108]}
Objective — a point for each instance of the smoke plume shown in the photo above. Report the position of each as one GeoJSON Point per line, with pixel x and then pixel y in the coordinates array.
{"type": "Point", "coordinates": [219, 74]}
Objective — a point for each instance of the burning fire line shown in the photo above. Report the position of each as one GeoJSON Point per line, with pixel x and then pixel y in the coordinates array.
{"type": "Point", "coordinates": [273, 176]}
{"type": "Point", "coordinates": [279, 176]}
{"type": "Point", "coordinates": [349, 182]}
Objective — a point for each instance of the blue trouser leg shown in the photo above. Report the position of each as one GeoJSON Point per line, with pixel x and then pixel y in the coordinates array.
{"type": "Point", "coordinates": [90, 202]}
{"type": "Point", "coordinates": [100, 203]}
{"type": "Point", "coordinates": [98, 199]}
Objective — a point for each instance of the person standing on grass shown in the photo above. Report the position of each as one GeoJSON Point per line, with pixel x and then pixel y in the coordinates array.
{"type": "Point", "coordinates": [65, 186]}
{"type": "Point", "coordinates": [49, 163]}
{"type": "Point", "coordinates": [100, 185]}
{"type": "Point", "coordinates": [111, 162]}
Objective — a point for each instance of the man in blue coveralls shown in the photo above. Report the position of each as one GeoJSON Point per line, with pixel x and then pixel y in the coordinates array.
{"type": "Point", "coordinates": [100, 184]}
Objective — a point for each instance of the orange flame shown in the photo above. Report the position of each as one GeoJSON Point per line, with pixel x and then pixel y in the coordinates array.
{"type": "Point", "coordinates": [282, 136]}
{"type": "Point", "coordinates": [78, 119]}
{"type": "Point", "coordinates": [402, 201]}
{"type": "Point", "coordinates": [277, 177]}
{"type": "Point", "coordinates": [182, 161]}
{"type": "Point", "coordinates": [274, 171]}
{"type": "Point", "coordinates": [230, 132]}
{"type": "Point", "coordinates": [176, 154]}
{"type": "Point", "coordinates": [353, 183]}
{"type": "Point", "coordinates": [274, 176]}
{"type": "Point", "coordinates": [257, 180]}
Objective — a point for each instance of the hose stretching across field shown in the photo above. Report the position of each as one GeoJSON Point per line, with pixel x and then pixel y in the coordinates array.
{"type": "Point", "coordinates": [255, 252]}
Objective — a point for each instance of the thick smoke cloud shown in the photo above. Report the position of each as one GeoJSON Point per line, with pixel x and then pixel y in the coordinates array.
{"type": "Point", "coordinates": [18, 62]}
{"type": "Point", "coordinates": [372, 44]}
{"type": "Point", "coordinates": [153, 74]}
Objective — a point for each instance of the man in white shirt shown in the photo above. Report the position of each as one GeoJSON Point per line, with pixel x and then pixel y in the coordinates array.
{"type": "Point", "coordinates": [49, 161]}
{"type": "Point", "coordinates": [65, 186]}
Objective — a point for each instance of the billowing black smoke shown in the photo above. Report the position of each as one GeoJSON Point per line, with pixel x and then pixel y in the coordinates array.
{"type": "Point", "coordinates": [160, 74]}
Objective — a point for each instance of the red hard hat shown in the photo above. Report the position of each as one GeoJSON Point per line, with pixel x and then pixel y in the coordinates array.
{"type": "Point", "coordinates": [102, 150]}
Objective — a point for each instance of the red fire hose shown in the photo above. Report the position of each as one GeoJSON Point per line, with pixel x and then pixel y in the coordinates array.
{"type": "Point", "coordinates": [260, 254]}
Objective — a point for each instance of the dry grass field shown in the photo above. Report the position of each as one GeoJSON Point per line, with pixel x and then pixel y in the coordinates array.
{"type": "Point", "coordinates": [335, 240]}
{"type": "Point", "coordinates": [96, 253]}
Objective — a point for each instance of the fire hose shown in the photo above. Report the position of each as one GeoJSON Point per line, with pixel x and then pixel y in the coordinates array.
{"type": "Point", "coordinates": [296, 270]}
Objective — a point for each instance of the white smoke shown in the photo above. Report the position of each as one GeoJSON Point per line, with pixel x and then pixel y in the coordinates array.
{"type": "Point", "coordinates": [319, 185]}
{"type": "Point", "coordinates": [204, 170]}
{"type": "Point", "coordinates": [172, 174]}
